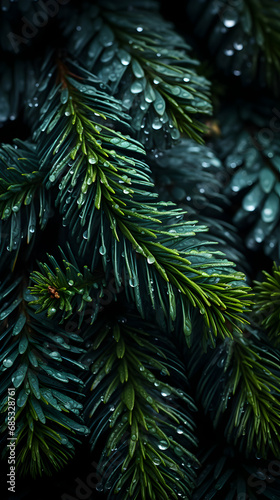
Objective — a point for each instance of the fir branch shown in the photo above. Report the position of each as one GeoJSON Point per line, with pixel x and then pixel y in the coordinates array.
{"type": "Point", "coordinates": [241, 379]}
{"type": "Point", "coordinates": [33, 352]}
{"type": "Point", "coordinates": [23, 197]}
{"type": "Point", "coordinates": [66, 291]}
{"type": "Point", "coordinates": [148, 67]}
{"type": "Point", "coordinates": [225, 473]}
{"type": "Point", "coordinates": [251, 160]}
{"type": "Point", "coordinates": [141, 412]}
{"type": "Point", "coordinates": [267, 304]}
{"type": "Point", "coordinates": [244, 37]}
{"type": "Point", "coordinates": [108, 207]}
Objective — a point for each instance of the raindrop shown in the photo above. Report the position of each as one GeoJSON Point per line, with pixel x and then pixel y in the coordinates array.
{"type": "Point", "coordinates": [139, 29]}
{"type": "Point", "coordinates": [151, 259]}
{"type": "Point", "coordinates": [133, 281]}
{"type": "Point", "coordinates": [238, 45]}
{"type": "Point", "coordinates": [165, 392]}
{"type": "Point", "coordinates": [163, 445]}
{"type": "Point", "coordinates": [180, 429]}
{"type": "Point", "coordinates": [99, 487]}
{"type": "Point", "coordinates": [157, 124]}
{"type": "Point", "coordinates": [102, 250]}
{"type": "Point", "coordinates": [229, 52]}
{"type": "Point", "coordinates": [178, 451]}
{"type": "Point", "coordinates": [230, 18]}
{"type": "Point", "coordinates": [85, 235]}
{"type": "Point", "coordinates": [7, 362]}
{"type": "Point", "coordinates": [92, 160]}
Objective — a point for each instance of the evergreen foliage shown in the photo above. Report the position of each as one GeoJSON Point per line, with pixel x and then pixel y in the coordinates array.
{"type": "Point", "coordinates": [128, 322]}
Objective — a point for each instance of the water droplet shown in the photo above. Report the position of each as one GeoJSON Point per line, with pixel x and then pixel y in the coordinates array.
{"type": "Point", "coordinates": [85, 235]}
{"type": "Point", "coordinates": [99, 487]}
{"type": "Point", "coordinates": [230, 18]}
{"type": "Point", "coordinates": [70, 282]}
{"type": "Point", "coordinates": [178, 451]}
{"type": "Point", "coordinates": [139, 29]}
{"type": "Point", "coordinates": [7, 362]}
{"type": "Point", "coordinates": [165, 392]}
{"type": "Point", "coordinates": [151, 259]}
{"type": "Point", "coordinates": [163, 445]}
{"type": "Point", "coordinates": [133, 281]}
{"type": "Point", "coordinates": [228, 52]}
{"type": "Point", "coordinates": [102, 250]}
{"type": "Point", "coordinates": [157, 124]}
{"type": "Point", "coordinates": [180, 429]}
{"type": "Point", "coordinates": [238, 45]}
{"type": "Point", "coordinates": [92, 160]}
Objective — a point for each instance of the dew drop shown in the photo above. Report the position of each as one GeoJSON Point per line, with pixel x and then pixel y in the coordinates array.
{"type": "Point", "coordinates": [238, 45]}
{"type": "Point", "coordinates": [151, 259]}
{"type": "Point", "coordinates": [229, 18]}
{"type": "Point", "coordinates": [165, 392]}
{"type": "Point", "coordinates": [7, 362]}
{"type": "Point", "coordinates": [229, 52]}
{"type": "Point", "coordinates": [92, 160]}
{"type": "Point", "coordinates": [163, 445]}
{"type": "Point", "coordinates": [102, 250]}
{"type": "Point", "coordinates": [133, 281]}
{"type": "Point", "coordinates": [157, 124]}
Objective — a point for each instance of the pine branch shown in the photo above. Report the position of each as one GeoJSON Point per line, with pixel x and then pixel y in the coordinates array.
{"type": "Point", "coordinates": [267, 304]}
{"type": "Point", "coordinates": [240, 386]}
{"type": "Point", "coordinates": [69, 290]}
{"type": "Point", "coordinates": [147, 66]}
{"type": "Point", "coordinates": [244, 38]}
{"type": "Point", "coordinates": [226, 474]}
{"type": "Point", "coordinates": [151, 436]}
{"type": "Point", "coordinates": [118, 217]}
{"type": "Point", "coordinates": [37, 360]}
{"type": "Point", "coordinates": [252, 162]}
{"type": "Point", "coordinates": [24, 199]}
{"type": "Point", "coordinates": [193, 177]}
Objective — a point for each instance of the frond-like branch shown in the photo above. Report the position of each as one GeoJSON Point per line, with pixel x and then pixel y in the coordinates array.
{"type": "Point", "coordinates": [117, 211]}
{"type": "Point", "coordinates": [147, 65]}
{"type": "Point", "coordinates": [38, 361]}
{"type": "Point", "coordinates": [25, 203]}
{"type": "Point", "coordinates": [241, 380]}
{"type": "Point", "coordinates": [267, 304]}
{"type": "Point", "coordinates": [149, 449]}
